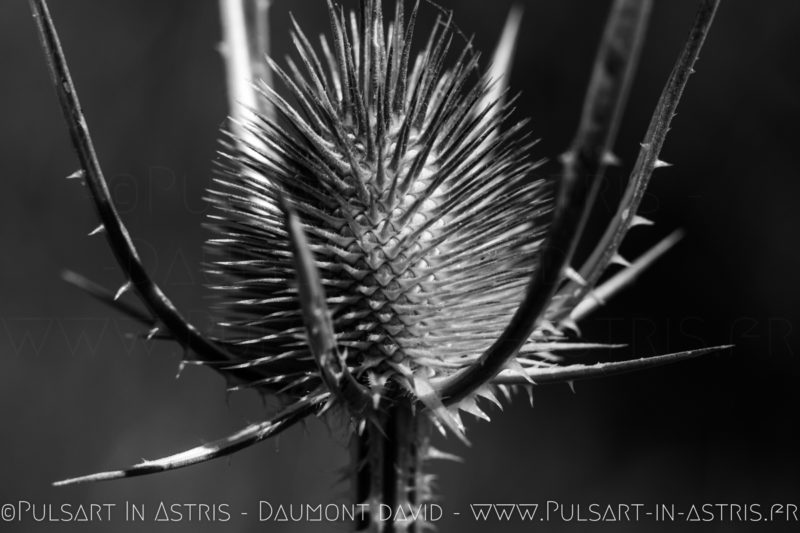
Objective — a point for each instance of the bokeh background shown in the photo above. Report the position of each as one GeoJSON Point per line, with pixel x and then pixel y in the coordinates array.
{"type": "Point", "coordinates": [78, 395]}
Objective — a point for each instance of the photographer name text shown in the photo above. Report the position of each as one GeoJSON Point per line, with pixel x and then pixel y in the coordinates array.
{"type": "Point", "coordinates": [266, 511]}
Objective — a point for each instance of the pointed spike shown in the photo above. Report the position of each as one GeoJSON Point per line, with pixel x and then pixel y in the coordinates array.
{"type": "Point", "coordinates": [507, 392]}
{"type": "Point", "coordinates": [122, 290]}
{"type": "Point", "coordinates": [152, 333]}
{"type": "Point", "coordinates": [514, 366]}
{"type": "Point", "coordinates": [571, 385]}
{"type": "Point", "coordinates": [487, 393]}
{"type": "Point", "coordinates": [434, 454]}
{"type": "Point", "coordinates": [98, 230]}
{"type": "Point", "coordinates": [661, 164]}
{"type": "Point", "coordinates": [425, 393]}
{"type": "Point", "coordinates": [572, 326]}
{"type": "Point", "coordinates": [641, 221]}
{"type": "Point", "coordinates": [469, 405]}
{"type": "Point", "coordinates": [439, 426]}
{"type": "Point", "coordinates": [181, 368]}
{"type": "Point", "coordinates": [573, 275]}
{"type": "Point", "coordinates": [619, 260]}
{"type": "Point", "coordinates": [77, 175]}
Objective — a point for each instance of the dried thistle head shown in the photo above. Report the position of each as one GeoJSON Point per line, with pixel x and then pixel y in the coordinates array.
{"type": "Point", "coordinates": [417, 199]}
{"type": "Point", "coordinates": [418, 220]}
{"type": "Point", "coordinates": [382, 242]}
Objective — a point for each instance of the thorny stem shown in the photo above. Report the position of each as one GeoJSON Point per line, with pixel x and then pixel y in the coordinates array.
{"type": "Point", "coordinates": [566, 374]}
{"type": "Point", "coordinates": [117, 235]}
{"type": "Point", "coordinates": [614, 69]}
{"type": "Point", "coordinates": [387, 460]}
{"type": "Point", "coordinates": [244, 438]}
{"type": "Point", "coordinates": [646, 163]}
{"type": "Point", "coordinates": [584, 164]}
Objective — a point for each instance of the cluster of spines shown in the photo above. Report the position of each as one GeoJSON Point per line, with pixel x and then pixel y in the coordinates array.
{"type": "Point", "coordinates": [432, 193]}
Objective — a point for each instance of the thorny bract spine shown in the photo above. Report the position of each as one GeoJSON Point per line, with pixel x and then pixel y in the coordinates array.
{"type": "Point", "coordinates": [373, 232]}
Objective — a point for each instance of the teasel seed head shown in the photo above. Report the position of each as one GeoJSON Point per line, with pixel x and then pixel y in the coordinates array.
{"type": "Point", "coordinates": [418, 199]}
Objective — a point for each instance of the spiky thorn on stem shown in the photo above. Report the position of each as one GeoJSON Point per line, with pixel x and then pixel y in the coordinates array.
{"type": "Point", "coordinates": [566, 374]}
{"type": "Point", "coordinates": [244, 438]}
{"type": "Point", "coordinates": [117, 235]}
{"type": "Point", "coordinates": [161, 308]}
{"type": "Point", "coordinates": [583, 166]}
{"type": "Point", "coordinates": [646, 163]}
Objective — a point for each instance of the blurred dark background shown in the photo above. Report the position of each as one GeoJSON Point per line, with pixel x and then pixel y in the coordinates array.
{"type": "Point", "coordinates": [77, 395]}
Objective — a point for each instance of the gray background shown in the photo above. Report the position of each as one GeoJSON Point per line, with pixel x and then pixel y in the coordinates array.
{"type": "Point", "coordinates": [77, 396]}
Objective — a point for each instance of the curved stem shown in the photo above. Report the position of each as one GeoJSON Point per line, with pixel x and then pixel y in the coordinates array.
{"type": "Point", "coordinates": [118, 237]}
{"type": "Point", "coordinates": [583, 167]}
{"type": "Point", "coordinates": [244, 438]}
{"type": "Point", "coordinates": [646, 163]}
{"type": "Point", "coordinates": [119, 240]}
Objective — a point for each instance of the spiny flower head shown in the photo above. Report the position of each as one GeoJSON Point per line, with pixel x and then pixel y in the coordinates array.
{"type": "Point", "coordinates": [418, 200]}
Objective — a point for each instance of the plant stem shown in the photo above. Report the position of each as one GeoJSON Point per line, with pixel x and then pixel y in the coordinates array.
{"type": "Point", "coordinates": [387, 473]}
{"type": "Point", "coordinates": [245, 46]}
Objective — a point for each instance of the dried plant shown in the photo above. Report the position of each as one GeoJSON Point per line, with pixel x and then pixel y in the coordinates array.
{"type": "Point", "coordinates": [382, 244]}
